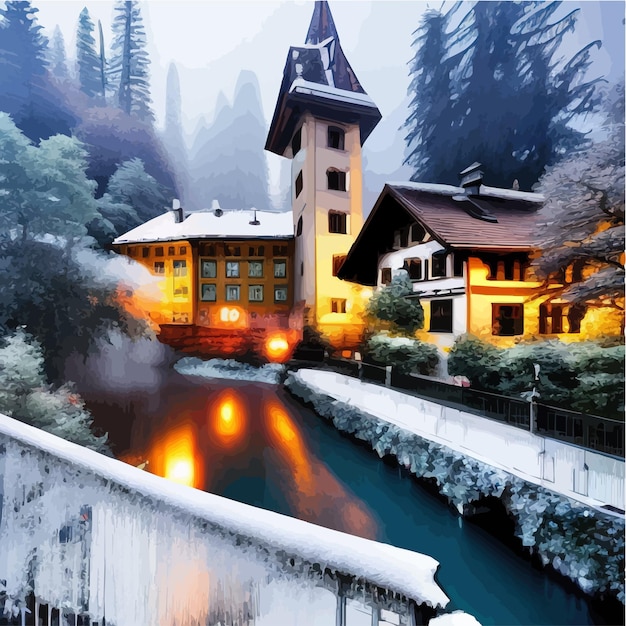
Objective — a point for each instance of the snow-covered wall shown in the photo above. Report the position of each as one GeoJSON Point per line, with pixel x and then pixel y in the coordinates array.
{"type": "Point", "coordinates": [578, 473]}
{"type": "Point", "coordinates": [579, 541]}
{"type": "Point", "coordinates": [98, 537]}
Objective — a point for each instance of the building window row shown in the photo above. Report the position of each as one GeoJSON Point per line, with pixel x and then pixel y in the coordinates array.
{"type": "Point", "coordinates": [208, 269]}
{"type": "Point", "coordinates": [418, 269]}
{"type": "Point", "coordinates": [232, 293]}
{"type": "Point", "coordinates": [159, 251]}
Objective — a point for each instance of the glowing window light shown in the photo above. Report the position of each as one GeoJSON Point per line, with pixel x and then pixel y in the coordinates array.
{"type": "Point", "coordinates": [276, 347]}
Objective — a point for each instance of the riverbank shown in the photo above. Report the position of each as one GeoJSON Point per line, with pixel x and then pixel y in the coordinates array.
{"type": "Point", "coordinates": [584, 544]}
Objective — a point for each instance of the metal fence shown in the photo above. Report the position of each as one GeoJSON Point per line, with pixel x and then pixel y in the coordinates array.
{"type": "Point", "coordinates": [588, 431]}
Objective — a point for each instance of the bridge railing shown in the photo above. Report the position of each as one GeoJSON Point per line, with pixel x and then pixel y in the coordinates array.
{"type": "Point", "coordinates": [592, 432]}
{"type": "Point", "coordinates": [86, 539]}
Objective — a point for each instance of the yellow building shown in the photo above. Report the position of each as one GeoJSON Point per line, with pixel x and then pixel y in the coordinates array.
{"type": "Point", "coordinates": [226, 277]}
{"type": "Point", "coordinates": [467, 251]}
{"type": "Point", "coordinates": [321, 120]}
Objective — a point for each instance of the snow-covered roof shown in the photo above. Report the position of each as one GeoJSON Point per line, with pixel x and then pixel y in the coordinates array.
{"type": "Point", "coordinates": [302, 86]}
{"type": "Point", "coordinates": [208, 225]}
{"type": "Point", "coordinates": [451, 190]}
{"type": "Point", "coordinates": [403, 571]}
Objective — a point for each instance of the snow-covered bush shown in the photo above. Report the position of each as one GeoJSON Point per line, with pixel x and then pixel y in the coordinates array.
{"type": "Point", "coordinates": [25, 395]}
{"type": "Point", "coordinates": [391, 304]}
{"type": "Point", "coordinates": [229, 368]}
{"type": "Point", "coordinates": [406, 355]}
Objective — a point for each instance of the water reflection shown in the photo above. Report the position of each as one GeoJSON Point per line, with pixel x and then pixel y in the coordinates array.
{"type": "Point", "coordinates": [244, 437]}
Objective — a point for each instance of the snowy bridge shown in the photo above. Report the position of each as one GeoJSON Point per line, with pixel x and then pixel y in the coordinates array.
{"type": "Point", "coordinates": [86, 539]}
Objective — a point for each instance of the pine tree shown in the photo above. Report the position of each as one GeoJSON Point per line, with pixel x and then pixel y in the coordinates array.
{"type": "Point", "coordinates": [26, 92]}
{"type": "Point", "coordinates": [129, 65]}
{"type": "Point", "coordinates": [430, 118]}
{"type": "Point", "coordinates": [86, 57]}
{"type": "Point", "coordinates": [173, 133]}
{"type": "Point", "coordinates": [102, 64]}
{"type": "Point", "coordinates": [508, 102]}
{"type": "Point", "coordinates": [58, 59]}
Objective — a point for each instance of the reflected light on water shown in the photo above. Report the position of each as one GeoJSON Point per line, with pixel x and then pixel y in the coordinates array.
{"type": "Point", "coordinates": [228, 419]}
{"type": "Point", "coordinates": [318, 496]}
{"type": "Point", "coordinates": [175, 457]}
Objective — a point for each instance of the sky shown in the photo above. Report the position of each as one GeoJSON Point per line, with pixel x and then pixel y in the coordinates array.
{"type": "Point", "coordinates": [211, 41]}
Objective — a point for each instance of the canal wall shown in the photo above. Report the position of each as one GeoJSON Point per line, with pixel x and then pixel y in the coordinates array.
{"type": "Point", "coordinates": [581, 542]}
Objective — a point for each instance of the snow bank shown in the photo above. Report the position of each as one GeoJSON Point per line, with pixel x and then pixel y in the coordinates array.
{"type": "Point", "coordinates": [228, 368]}
{"type": "Point", "coordinates": [548, 523]}
{"type": "Point", "coordinates": [456, 618]}
{"type": "Point", "coordinates": [100, 536]}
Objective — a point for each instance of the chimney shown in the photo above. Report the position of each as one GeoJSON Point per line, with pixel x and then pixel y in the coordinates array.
{"type": "Point", "coordinates": [255, 221]}
{"type": "Point", "coordinates": [179, 214]}
{"type": "Point", "coordinates": [215, 207]}
{"type": "Point", "coordinates": [472, 179]}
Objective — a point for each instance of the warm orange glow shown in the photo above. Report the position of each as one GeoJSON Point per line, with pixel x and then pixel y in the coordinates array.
{"type": "Point", "coordinates": [229, 419]}
{"type": "Point", "coordinates": [175, 457]}
{"type": "Point", "coordinates": [277, 348]}
{"type": "Point", "coordinates": [318, 496]}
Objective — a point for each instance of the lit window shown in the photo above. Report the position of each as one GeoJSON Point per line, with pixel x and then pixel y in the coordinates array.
{"type": "Point", "coordinates": [439, 260]}
{"type": "Point", "coordinates": [280, 294]}
{"type": "Point", "coordinates": [336, 180]}
{"type": "Point", "coordinates": [255, 293]}
{"type": "Point", "coordinates": [507, 319]}
{"type": "Point", "coordinates": [280, 269]}
{"type": "Point", "coordinates": [209, 269]}
{"type": "Point", "coordinates": [159, 267]}
{"type": "Point", "coordinates": [232, 269]}
{"type": "Point", "coordinates": [299, 184]}
{"type": "Point", "coordinates": [180, 268]}
{"type": "Point", "coordinates": [440, 316]}
{"type": "Point", "coordinates": [338, 305]}
{"type": "Point", "coordinates": [337, 222]}
{"type": "Point", "coordinates": [255, 269]}
{"type": "Point", "coordinates": [385, 275]}
{"type": "Point", "coordinates": [336, 138]}
{"type": "Point", "coordinates": [232, 293]}
{"type": "Point", "coordinates": [209, 293]}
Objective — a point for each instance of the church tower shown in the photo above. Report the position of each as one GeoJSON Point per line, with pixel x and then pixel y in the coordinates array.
{"type": "Point", "coordinates": [322, 118]}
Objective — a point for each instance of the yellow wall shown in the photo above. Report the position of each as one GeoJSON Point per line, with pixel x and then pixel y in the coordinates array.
{"type": "Point", "coordinates": [181, 300]}
{"type": "Point", "coordinates": [315, 248]}
{"type": "Point", "coordinates": [482, 293]}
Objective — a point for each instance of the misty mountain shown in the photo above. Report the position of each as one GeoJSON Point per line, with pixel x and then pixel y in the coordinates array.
{"type": "Point", "coordinates": [228, 162]}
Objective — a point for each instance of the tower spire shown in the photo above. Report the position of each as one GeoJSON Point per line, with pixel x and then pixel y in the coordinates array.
{"type": "Point", "coordinates": [322, 25]}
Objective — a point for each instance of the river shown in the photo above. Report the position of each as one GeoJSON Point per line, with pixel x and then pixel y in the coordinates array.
{"type": "Point", "coordinates": [254, 443]}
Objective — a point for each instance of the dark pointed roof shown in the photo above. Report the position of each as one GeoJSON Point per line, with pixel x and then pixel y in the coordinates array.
{"type": "Point", "coordinates": [321, 29]}
{"type": "Point", "coordinates": [318, 78]}
{"type": "Point", "coordinates": [443, 212]}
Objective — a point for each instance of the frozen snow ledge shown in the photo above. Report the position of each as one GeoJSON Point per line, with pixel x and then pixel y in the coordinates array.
{"type": "Point", "coordinates": [582, 543]}
{"type": "Point", "coordinates": [228, 368]}
{"type": "Point", "coordinates": [96, 536]}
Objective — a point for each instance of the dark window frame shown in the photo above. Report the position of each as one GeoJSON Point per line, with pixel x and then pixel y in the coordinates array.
{"type": "Point", "coordinates": [299, 183]}
{"type": "Point", "coordinates": [444, 316]}
{"type": "Point", "coordinates": [336, 180]}
{"type": "Point", "coordinates": [338, 305]}
{"type": "Point", "coordinates": [439, 264]}
{"type": "Point", "coordinates": [338, 261]}
{"type": "Point", "coordinates": [338, 222]}
{"type": "Point", "coordinates": [505, 325]}
{"type": "Point", "coordinates": [385, 275]}
{"type": "Point", "coordinates": [296, 142]}
{"type": "Point", "coordinates": [203, 274]}
{"type": "Point", "coordinates": [204, 288]}
{"type": "Point", "coordinates": [336, 138]}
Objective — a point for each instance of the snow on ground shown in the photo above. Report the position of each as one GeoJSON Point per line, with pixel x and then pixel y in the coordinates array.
{"type": "Point", "coordinates": [228, 368]}
{"type": "Point", "coordinates": [456, 618]}
{"type": "Point", "coordinates": [138, 514]}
